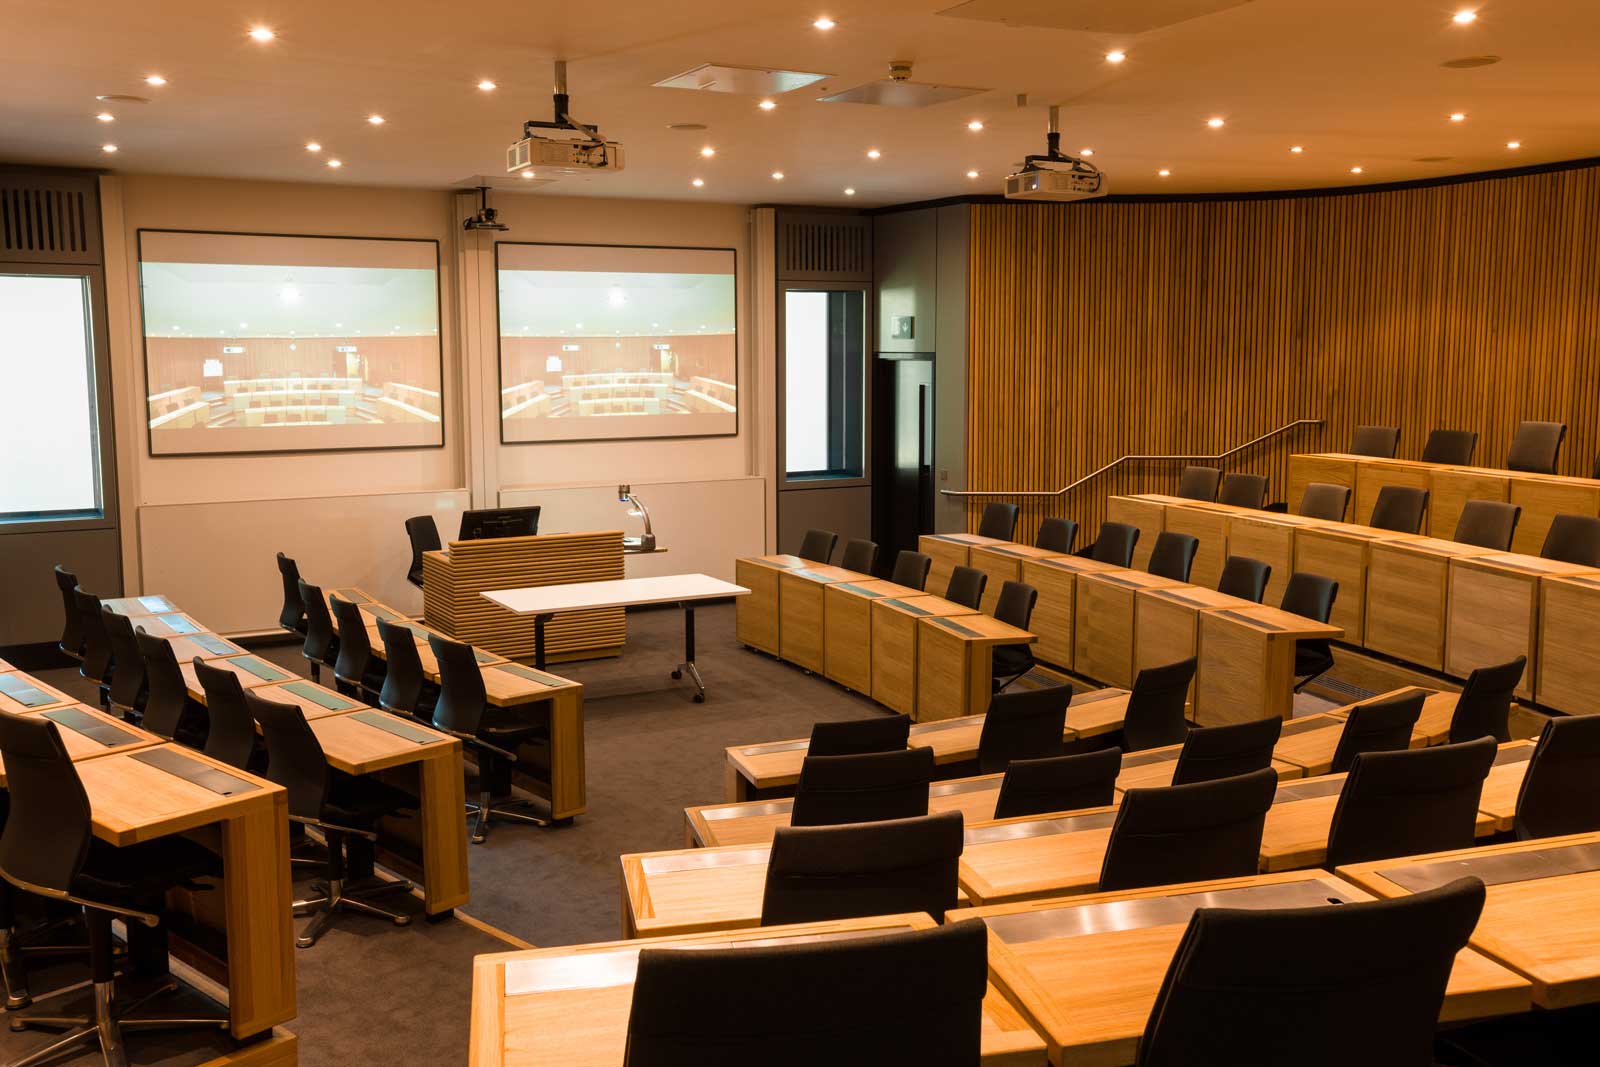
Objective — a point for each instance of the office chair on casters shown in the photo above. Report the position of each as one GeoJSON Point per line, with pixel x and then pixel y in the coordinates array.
{"type": "Point", "coordinates": [1154, 717]}
{"type": "Point", "coordinates": [48, 849]}
{"type": "Point", "coordinates": [1558, 794]}
{"type": "Point", "coordinates": [1310, 596]}
{"type": "Point", "coordinates": [231, 737]}
{"type": "Point", "coordinates": [999, 521]}
{"type": "Point", "coordinates": [128, 690]}
{"type": "Point", "coordinates": [1199, 483]}
{"type": "Point", "coordinates": [97, 656]}
{"type": "Point", "coordinates": [817, 545]}
{"type": "Point", "coordinates": [911, 569]}
{"type": "Point", "coordinates": [1015, 608]}
{"type": "Point", "coordinates": [1245, 578]}
{"type": "Point", "coordinates": [1056, 535]}
{"type": "Point", "coordinates": [1410, 802]}
{"type": "Point", "coordinates": [169, 711]}
{"type": "Point", "coordinates": [1211, 753]}
{"type": "Point", "coordinates": [1453, 447]}
{"type": "Point", "coordinates": [321, 648]}
{"type": "Point", "coordinates": [966, 587]}
{"type": "Point", "coordinates": [859, 556]}
{"type": "Point", "coordinates": [1381, 442]}
{"type": "Point", "coordinates": [1488, 524]}
{"type": "Point", "coordinates": [868, 787]}
{"type": "Point", "coordinates": [1114, 544]}
{"type": "Point", "coordinates": [292, 616]}
{"type": "Point", "coordinates": [1188, 833]}
{"type": "Point", "coordinates": [1536, 446]}
{"type": "Point", "coordinates": [1399, 508]}
{"type": "Point", "coordinates": [1382, 725]}
{"type": "Point", "coordinates": [1243, 491]}
{"type": "Point", "coordinates": [818, 873]}
{"type": "Point", "coordinates": [1059, 783]}
{"type": "Point", "coordinates": [1173, 555]}
{"type": "Point", "coordinates": [1573, 539]}
{"type": "Point", "coordinates": [406, 690]}
{"type": "Point", "coordinates": [423, 534]}
{"type": "Point", "coordinates": [71, 630]}
{"type": "Point", "coordinates": [356, 671]}
{"type": "Point", "coordinates": [1024, 724]}
{"type": "Point", "coordinates": [1484, 706]}
{"type": "Point", "coordinates": [851, 737]}
{"type": "Point", "coordinates": [1324, 500]}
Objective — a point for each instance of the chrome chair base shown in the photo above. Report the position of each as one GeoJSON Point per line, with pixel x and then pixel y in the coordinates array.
{"type": "Point", "coordinates": [510, 809]}
{"type": "Point", "coordinates": [333, 898]}
{"type": "Point", "coordinates": [107, 1025]}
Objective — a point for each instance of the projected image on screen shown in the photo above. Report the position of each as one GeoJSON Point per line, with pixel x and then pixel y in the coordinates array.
{"type": "Point", "coordinates": [272, 344]}
{"type": "Point", "coordinates": [600, 342]}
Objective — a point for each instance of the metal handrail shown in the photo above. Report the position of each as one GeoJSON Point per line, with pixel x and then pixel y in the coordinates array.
{"type": "Point", "coordinates": [1131, 459]}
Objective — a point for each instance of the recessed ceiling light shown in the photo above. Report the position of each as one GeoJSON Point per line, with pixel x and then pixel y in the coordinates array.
{"type": "Point", "coordinates": [975, 125]}
{"type": "Point", "coordinates": [873, 153]}
{"type": "Point", "coordinates": [487, 86]}
{"type": "Point", "coordinates": [154, 79]}
{"type": "Point", "coordinates": [777, 175]}
{"type": "Point", "coordinates": [824, 23]}
{"type": "Point", "coordinates": [972, 174]}
{"type": "Point", "coordinates": [262, 34]}
{"type": "Point", "coordinates": [122, 98]}
{"type": "Point", "coordinates": [1116, 56]}
{"type": "Point", "coordinates": [1355, 170]}
{"type": "Point", "coordinates": [108, 148]}
{"type": "Point", "coordinates": [1459, 116]}
{"type": "Point", "coordinates": [1085, 151]}
{"type": "Point", "coordinates": [375, 120]}
{"type": "Point", "coordinates": [708, 151]}
{"type": "Point", "coordinates": [1513, 144]}
{"type": "Point", "coordinates": [1163, 173]}
{"type": "Point", "coordinates": [106, 116]}
{"type": "Point", "coordinates": [1216, 122]}
{"type": "Point", "coordinates": [335, 164]}
{"type": "Point", "coordinates": [1469, 62]}
{"type": "Point", "coordinates": [1297, 149]}
{"type": "Point", "coordinates": [767, 105]}
{"type": "Point", "coordinates": [1462, 18]}
{"type": "Point", "coordinates": [313, 146]}
{"type": "Point", "coordinates": [685, 127]}
{"type": "Point", "coordinates": [698, 182]}
{"type": "Point", "coordinates": [849, 192]}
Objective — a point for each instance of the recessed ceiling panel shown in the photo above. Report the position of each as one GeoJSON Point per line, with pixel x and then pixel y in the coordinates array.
{"type": "Point", "coordinates": [1090, 16]}
{"type": "Point", "coordinates": [893, 93]}
{"type": "Point", "coordinates": [751, 81]}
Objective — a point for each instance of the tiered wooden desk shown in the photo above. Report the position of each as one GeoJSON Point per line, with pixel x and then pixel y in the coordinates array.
{"type": "Point", "coordinates": [1494, 612]}
{"type": "Point", "coordinates": [1153, 768]}
{"type": "Point", "coordinates": [1086, 971]}
{"type": "Point", "coordinates": [1247, 663]}
{"type": "Point", "coordinates": [1103, 631]}
{"type": "Point", "coordinates": [1544, 496]}
{"type": "Point", "coordinates": [1146, 512]}
{"type": "Point", "coordinates": [895, 642]}
{"type": "Point", "coordinates": [757, 613]}
{"type": "Point", "coordinates": [1167, 623]}
{"type": "Point", "coordinates": [569, 1007]}
{"type": "Point", "coordinates": [1438, 709]}
{"type": "Point", "coordinates": [949, 551]}
{"type": "Point", "coordinates": [1540, 918]}
{"type": "Point", "coordinates": [1451, 489]}
{"type": "Point", "coordinates": [1003, 563]}
{"type": "Point", "coordinates": [88, 732]}
{"type": "Point", "coordinates": [1269, 537]}
{"type": "Point", "coordinates": [847, 629]}
{"type": "Point", "coordinates": [1501, 789]}
{"type": "Point", "coordinates": [21, 693]}
{"type": "Point", "coordinates": [800, 627]}
{"type": "Point", "coordinates": [1054, 613]}
{"type": "Point", "coordinates": [1207, 524]}
{"type": "Point", "coordinates": [1341, 551]}
{"type": "Point", "coordinates": [1569, 670]}
{"type": "Point", "coordinates": [955, 663]}
{"type": "Point", "coordinates": [1408, 591]}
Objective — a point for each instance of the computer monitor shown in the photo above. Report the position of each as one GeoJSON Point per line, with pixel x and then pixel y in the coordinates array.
{"type": "Point", "coordinates": [485, 523]}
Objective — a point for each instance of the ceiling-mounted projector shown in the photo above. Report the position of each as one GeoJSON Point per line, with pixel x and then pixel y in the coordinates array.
{"type": "Point", "coordinates": [562, 155]}
{"type": "Point", "coordinates": [1055, 175]}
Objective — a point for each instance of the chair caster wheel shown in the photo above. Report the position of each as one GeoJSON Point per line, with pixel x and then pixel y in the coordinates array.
{"type": "Point", "coordinates": [677, 674]}
{"type": "Point", "coordinates": [699, 698]}
{"type": "Point", "coordinates": [402, 920]}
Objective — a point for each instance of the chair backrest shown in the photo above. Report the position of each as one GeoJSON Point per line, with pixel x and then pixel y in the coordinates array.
{"type": "Point", "coordinates": [852, 737]}
{"type": "Point", "coordinates": [1059, 783]}
{"type": "Point", "coordinates": [423, 533]}
{"type": "Point", "coordinates": [1484, 707]}
{"type": "Point", "coordinates": [96, 641]}
{"type": "Point", "coordinates": [869, 787]}
{"type": "Point", "coordinates": [1535, 447]}
{"type": "Point", "coordinates": [1115, 544]}
{"type": "Point", "coordinates": [1056, 535]}
{"type": "Point", "coordinates": [1023, 724]}
{"type": "Point", "coordinates": [1173, 555]}
{"type": "Point", "coordinates": [817, 873]}
{"type": "Point", "coordinates": [999, 521]}
{"type": "Point", "coordinates": [168, 694]}
{"type": "Point", "coordinates": [911, 569]}
{"type": "Point", "coordinates": [1380, 441]}
{"type": "Point", "coordinates": [914, 997]}
{"type": "Point", "coordinates": [402, 678]}
{"type": "Point", "coordinates": [1242, 490]}
{"type": "Point", "coordinates": [1487, 524]}
{"type": "Point", "coordinates": [966, 587]}
{"type": "Point", "coordinates": [1188, 833]}
{"type": "Point", "coordinates": [1409, 802]}
{"type": "Point", "coordinates": [1399, 507]}
{"type": "Point", "coordinates": [1213, 752]}
{"type": "Point", "coordinates": [1154, 716]}
{"type": "Point", "coordinates": [1245, 578]}
{"type": "Point", "coordinates": [292, 616]}
{"type": "Point", "coordinates": [859, 556]}
{"type": "Point", "coordinates": [1310, 596]}
{"type": "Point", "coordinates": [817, 545]}
{"type": "Point", "coordinates": [47, 831]}
{"type": "Point", "coordinates": [355, 647]}
{"type": "Point", "coordinates": [1382, 725]}
{"type": "Point", "coordinates": [1324, 500]}
{"type": "Point", "coordinates": [1573, 539]}
{"type": "Point", "coordinates": [320, 644]}
{"type": "Point", "coordinates": [1199, 483]}
{"type": "Point", "coordinates": [1368, 982]}
{"type": "Point", "coordinates": [462, 699]}
{"type": "Point", "coordinates": [1559, 793]}
{"type": "Point", "coordinates": [71, 629]}
{"type": "Point", "coordinates": [1015, 604]}
{"type": "Point", "coordinates": [232, 735]}
{"type": "Point", "coordinates": [294, 755]}
{"type": "Point", "coordinates": [1454, 447]}
{"type": "Point", "coordinates": [127, 665]}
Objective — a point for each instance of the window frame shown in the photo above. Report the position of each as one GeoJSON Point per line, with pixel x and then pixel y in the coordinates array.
{"type": "Point", "coordinates": [805, 480]}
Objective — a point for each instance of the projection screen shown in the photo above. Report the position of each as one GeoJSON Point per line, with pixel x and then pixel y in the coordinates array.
{"type": "Point", "coordinates": [283, 344]}
{"type": "Point", "coordinates": [606, 342]}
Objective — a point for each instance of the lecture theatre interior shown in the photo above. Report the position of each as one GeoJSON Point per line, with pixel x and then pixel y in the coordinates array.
{"type": "Point", "coordinates": [957, 533]}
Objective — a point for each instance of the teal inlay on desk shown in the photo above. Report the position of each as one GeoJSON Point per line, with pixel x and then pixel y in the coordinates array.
{"type": "Point", "coordinates": [81, 722]}
{"type": "Point", "coordinates": [213, 643]}
{"type": "Point", "coordinates": [853, 588]}
{"type": "Point", "coordinates": [903, 606]}
{"type": "Point", "coordinates": [156, 603]}
{"type": "Point", "coordinates": [530, 674]}
{"type": "Point", "coordinates": [261, 668]}
{"type": "Point", "coordinates": [178, 765]}
{"type": "Point", "coordinates": [178, 624]}
{"type": "Point", "coordinates": [951, 624]}
{"type": "Point", "coordinates": [395, 726]}
{"type": "Point", "coordinates": [24, 692]}
{"type": "Point", "coordinates": [381, 612]}
{"type": "Point", "coordinates": [484, 657]}
{"type": "Point", "coordinates": [318, 695]}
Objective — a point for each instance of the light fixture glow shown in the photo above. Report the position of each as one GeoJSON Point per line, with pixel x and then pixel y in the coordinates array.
{"type": "Point", "coordinates": [1116, 56]}
{"type": "Point", "coordinates": [767, 105]}
{"type": "Point", "coordinates": [1216, 122]}
{"type": "Point", "coordinates": [972, 174]}
{"type": "Point", "coordinates": [106, 116]}
{"type": "Point", "coordinates": [1163, 173]}
{"type": "Point", "coordinates": [1463, 18]}
{"type": "Point", "coordinates": [1355, 170]}
{"type": "Point", "coordinates": [873, 153]}
{"type": "Point", "coordinates": [289, 293]}
{"type": "Point", "coordinates": [824, 23]}
{"type": "Point", "coordinates": [708, 151]}
{"type": "Point", "coordinates": [527, 175]}
{"type": "Point", "coordinates": [262, 34]}
{"type": "Point", "coordinates": [1297, 149]}
{"type": "Point", "coordinates": [375, 120]}
{"type": "Point", "coordinates": [777, 175]}
{"type": "Point", "coordinates": [108, 148]}
{"type": "Point", "coordinates": [313, 146]}
{"type": "Point", "coordinates": [698, 182]}
{"type": "Point", "coordinates": [335, 164]}
{"type": "Point", "coordinates": [487, 86]}
{"type": "Point", "coordinates": [849, 192]}
{"type": "Point", "coordinates": [616, 297]}
{"type": "Point", "coordinates": [155, 79]}
{"type": "Point", "coordinates": [975, 125]}
{"type": "Point", "coordinates": [1513, 144]}
{"type": "Point", "coordinates": [1085, 152]}
{"type": "Point", "coordinates": [1458, 116]}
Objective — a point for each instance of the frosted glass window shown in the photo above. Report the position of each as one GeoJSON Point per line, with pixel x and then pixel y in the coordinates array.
{"type": "Point", "coordinates": [805, 362]}
{"type": "Point", "coordinates": [49, 434]}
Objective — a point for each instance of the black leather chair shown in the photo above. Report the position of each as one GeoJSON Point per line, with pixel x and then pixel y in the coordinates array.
{"type": "Point", "coordinates": [1023, 724]}
{"type": "Point", "coordinates": [169, 711]}
{"type": "Point", "coordinates": [1368, 982]}
{"type": "Point", "coordinates": [1154, 716]}
{"type": "Point", "coordinates": [966, 587]}
{"type": "Point", "coordinates": [999, 521]}
{"type": "Point", "coordinates": [1536, 446]}
{"type": "Point", "coordinates": [911, 569]}
{"type": "Point", "coordinates": [356, 671]}
{"type": "Point", "coordinates": [1243, 490]}
{"type": "Point", "coordinates": [1573, 539]}
{"type": "Point", "coordinates": [406, 690]}
{"type": "Point", "coordinates": [48, 849]}
{"type": "Point", "coordinates": [1453, 447]}
{"type": "Point", "coordinates": [1173, 555]}
{"type": "Point", "coordinates": [817, 545]}
{"type": "Point", "coordinates": [1199, 483]}
{"type": "Point", "coordinates": [1188, 833]}
{"type": "Point", "coordinates": [1245, 578]}
{"type": "Point", "coordinates": [1059, 783]}
{"type": "Point", "coordinates": [1056, 535]}
{"type": "Point", "coordinates": [1380, 441]}
{"type": "Point", "coordinates": [97, 657]}
{"type": "Point", "coordinates": [1484, 707]}
{"type": "Point", "coordinates": [860, 556]}
{"type": "Point", "coordinates": [1114, 545]}
{"type": "Point", "coordinates": [423, 534]}
{"type": "Point", "coordinates": [292, 615]}
{"type": "Point", "coordinates": [1382, 725]}
{"type": "Point", "coordinates": [1400, 508]}
{"type": "Point", "coordinates": [1488, 524]}
{"type": "Point", "coordinates": [1015, 608]}
{"type": "Point", "coordinates": [71, 630]}
{"type": "Point", "coordinates": [869, 787]}
{"type": "Point", "coordinates": [914, 997]}
{"type": "Point", "coordinates": [344, 808]}
{"type": "Point", "coordinates": [1559, 793]}
{"type": "Point", "coordinates": [321, 647]}
{"type": "Point", "coordinates": [462, 710]}
{"type": "Point", "coordinates": [1310, 596]}
{"type": "Point", "coordinates": [231, 734]}
{"type": "Point", "coordinates": [1410, 802]}
{"type": "Point", "coordinates": [1324, 500]}
{"type": "Point", "coordinates": [817, 873]}
{"type": "Point", "coordinates": [125, 695]}
{"type": "Point", "coordinates": [853, 737]}
{"type": "Point", "coordinates": [1211, 753]}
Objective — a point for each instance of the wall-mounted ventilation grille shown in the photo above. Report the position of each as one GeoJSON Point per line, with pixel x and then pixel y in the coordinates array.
{"type": "Point", "coordinates": [49, 219]}
{"type": "Point", "coordinates": [824, 247]}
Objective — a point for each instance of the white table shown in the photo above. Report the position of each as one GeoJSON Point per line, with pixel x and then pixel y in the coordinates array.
{"type": "Point", "coordinates": [685, 590]}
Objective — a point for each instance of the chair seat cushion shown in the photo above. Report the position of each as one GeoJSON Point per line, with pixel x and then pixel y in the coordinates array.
{"type": "Point", "coordinates": [140, 872]}
{"type": "Point", "coordinates": [359, 801]}
{"type": "Point", "coordinates": [511, 734]}
{"type": "Point", "coordinates": [1012, 659]}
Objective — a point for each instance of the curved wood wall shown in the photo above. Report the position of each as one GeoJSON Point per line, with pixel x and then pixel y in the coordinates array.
{"type": "Point", "coordinates": [1101, 329]}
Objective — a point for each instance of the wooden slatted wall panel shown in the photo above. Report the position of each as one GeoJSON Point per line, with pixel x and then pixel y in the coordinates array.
{"type": "Point", "coordinates": [1098, 330]}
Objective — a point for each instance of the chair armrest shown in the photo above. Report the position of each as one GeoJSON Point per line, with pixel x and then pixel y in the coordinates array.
{"type": "Point", "coordinates": [477, 742]}
{"type": "Point", "coordinates": [370, 835]}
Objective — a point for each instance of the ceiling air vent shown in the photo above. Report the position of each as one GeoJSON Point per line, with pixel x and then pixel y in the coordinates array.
{"type": "Point", "coordinates": [898, 90]}
{"type": "Point", "coordinates": [824, 247]}
{"type": "Point", "coordinates": [1470, 62]}
{"type": "Point", "coordinates": [750, 81]}
{"type": "Point", "coordinates": [1090, 16]}
{"type": "Point", "coordinates": [48, 218]}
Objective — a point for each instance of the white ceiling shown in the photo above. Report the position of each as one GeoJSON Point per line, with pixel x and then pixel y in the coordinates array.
{"type": "Point", "coordinates": [1358, 83]}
